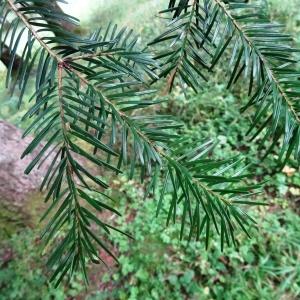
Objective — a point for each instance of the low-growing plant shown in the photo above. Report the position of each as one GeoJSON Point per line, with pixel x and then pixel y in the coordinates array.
{"type": "Point", "coordinates": [158, 266]}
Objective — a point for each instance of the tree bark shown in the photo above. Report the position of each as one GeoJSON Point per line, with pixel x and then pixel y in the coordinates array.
{"type": "Point", "coordinates": [64, 24]}
{"type": "Point", "coordinates": [6, 55]}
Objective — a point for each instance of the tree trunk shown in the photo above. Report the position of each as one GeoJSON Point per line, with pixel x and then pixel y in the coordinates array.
{"type": "Point", "coordinates": [6, 55]}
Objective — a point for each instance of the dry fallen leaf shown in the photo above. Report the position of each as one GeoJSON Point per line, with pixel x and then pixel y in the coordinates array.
{"type": "Point", "coordinates": [294, 191]}
{"type": "Point", "coordinates": [289, 171]}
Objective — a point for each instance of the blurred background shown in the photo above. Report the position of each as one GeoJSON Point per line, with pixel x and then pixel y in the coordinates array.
{"type": "Point", "coordinates": [156, 265]}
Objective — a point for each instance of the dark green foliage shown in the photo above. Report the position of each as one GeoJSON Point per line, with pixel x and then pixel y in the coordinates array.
{"type": "Point", "coordinates": [201, 31]}
{"type": "Point", "coordinates": [22, 273]}
{"type": "Point", "coordinates": [94, 109]}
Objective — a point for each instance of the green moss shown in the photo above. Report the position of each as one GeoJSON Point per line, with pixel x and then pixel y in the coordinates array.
{"type": "Point", "coordinates": [34, 207]}
{"type": "Point", "coordinates": [13, 219]}
{"type": "Point", "coordinates": [10, 221]}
